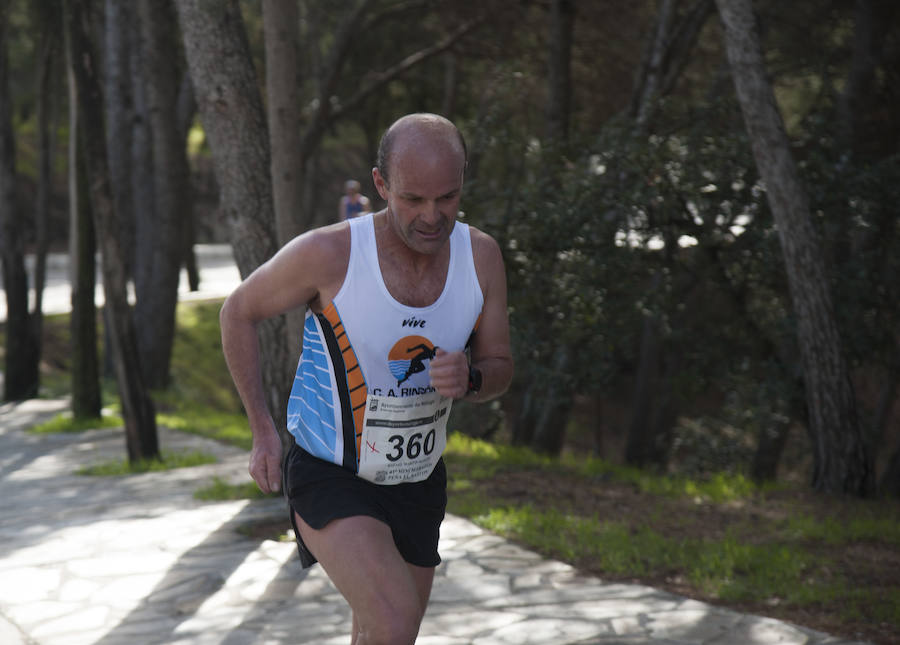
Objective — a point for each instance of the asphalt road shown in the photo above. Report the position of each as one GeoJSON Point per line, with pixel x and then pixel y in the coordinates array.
{"type": "Point", "coordinates": [218, 276]}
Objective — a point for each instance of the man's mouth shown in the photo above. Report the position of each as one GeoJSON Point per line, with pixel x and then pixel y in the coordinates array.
{"type": "Point", "coordinates": [429, 233]}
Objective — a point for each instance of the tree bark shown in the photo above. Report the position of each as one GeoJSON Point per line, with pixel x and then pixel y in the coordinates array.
{"type": "Point", "coordinates": [119, 49]}
{"type": "Point", "coordinates": [22, 354]}
{"type": "Point", "coordinates": [770, 445]}
{"type": "Point", "coordinates": [281, 26]}
{"type": "Point", "coordinates": [143, 193]}
{"type": "Point", "coordinates": [87, 401]}
{"type": "Point", "coordinates": [186, 109]}
{"type": "Point", "coordinates": [280, 21]}
{"type": "Point", "coordinates": [556, 406]}
{"type": "Point", "coordinates": [231, 110]}
{"type": "Point", "coordinates": [562, 24]}
{"type": "Point", "coordinates": [641, 444]}
{"type": "Point", "coordinates": [889, 486]}
{"type": "Point", "coordinates": [666, 55]}
{"type": "Point", "coordinates": [653, 69]}
{"type": "Point", "coordinates": [137, 407]}
{"type": "Point", "coordinates": [157, 295]}
{"type": "Point", "coordinates": [451, 84]}
{"type": "Point", "coordinates": [46, 104]}
{"type": "Point", "coordinates": [841, 460]}
{"type": "Point", "coordinates": [871, 23]}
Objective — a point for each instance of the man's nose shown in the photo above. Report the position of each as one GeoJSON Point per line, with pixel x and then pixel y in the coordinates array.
{"type": "Point", "coordinates": [431, 211]}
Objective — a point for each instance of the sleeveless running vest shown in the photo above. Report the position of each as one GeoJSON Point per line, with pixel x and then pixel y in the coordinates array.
{"type": "Point", "coordinates": [365, 342]}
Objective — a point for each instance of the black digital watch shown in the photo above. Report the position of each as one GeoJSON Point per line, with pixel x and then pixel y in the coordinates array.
{"type": "Point", "coordinates": [474, 380]}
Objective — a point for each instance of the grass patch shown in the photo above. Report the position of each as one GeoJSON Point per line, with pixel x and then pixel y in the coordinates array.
{"type": "Point", "coordinates": [221, 491]}
{"type": "Point", "coordinates": [862, 526]}
{"type": "Point", "coordinates": [169, 461]}
{"type": "Point", "coordinates": [228, 427]}
{"type": "Point", "coordinates": [719, 487]}
{"type": "Point", "coordinates": [479, 459]}
{"type": "Point", "coordinates": [62, 423]}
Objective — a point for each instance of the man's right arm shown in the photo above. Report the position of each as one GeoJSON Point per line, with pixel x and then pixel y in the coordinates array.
{"type": "Point", "coordinates": [294, 277]}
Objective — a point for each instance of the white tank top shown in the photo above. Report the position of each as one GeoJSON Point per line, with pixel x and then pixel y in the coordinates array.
{"type": "Point", "coordinates": [366, 342]}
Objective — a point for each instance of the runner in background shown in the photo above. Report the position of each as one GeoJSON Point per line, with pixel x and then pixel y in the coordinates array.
{"type": "Point", "coordinates": [353, 203]}
{"type": "Point", "coordinates": [406, 313]}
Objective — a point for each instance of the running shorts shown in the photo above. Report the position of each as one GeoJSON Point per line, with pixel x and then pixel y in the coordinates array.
{"type": "Point", "coordinates": [321, 492]}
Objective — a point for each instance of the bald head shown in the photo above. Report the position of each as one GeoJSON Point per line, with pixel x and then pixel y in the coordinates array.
{"type": "Point", "coordinates": [414, 131]}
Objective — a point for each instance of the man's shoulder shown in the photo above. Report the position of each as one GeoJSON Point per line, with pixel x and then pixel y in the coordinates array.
{"type": "Point", "coordinates": [322, 247]}
{"type": "Point", "coordinates": [482, 243]}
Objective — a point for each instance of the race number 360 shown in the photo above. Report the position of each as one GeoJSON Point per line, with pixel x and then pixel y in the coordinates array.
{"type": "Point", "coordinates": [415, 446]}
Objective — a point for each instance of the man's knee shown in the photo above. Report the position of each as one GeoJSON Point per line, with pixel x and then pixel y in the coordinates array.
{"type": "Point", "coordinates": [392, 625]}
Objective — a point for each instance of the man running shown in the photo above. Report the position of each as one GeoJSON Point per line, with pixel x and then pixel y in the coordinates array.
{"type": "Point", "coordinates": [364, 477]}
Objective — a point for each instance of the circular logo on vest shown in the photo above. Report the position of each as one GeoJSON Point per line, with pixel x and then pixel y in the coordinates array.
{"type": "Point", "coordinates": [408, 356]}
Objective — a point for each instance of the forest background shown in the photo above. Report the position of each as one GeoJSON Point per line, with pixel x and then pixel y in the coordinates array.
{"type": "Point", "coordinates": [700, 279]}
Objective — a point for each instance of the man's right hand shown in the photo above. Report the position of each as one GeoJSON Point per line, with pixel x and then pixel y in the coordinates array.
{"type": "Point", "coordinates": [265, 458]}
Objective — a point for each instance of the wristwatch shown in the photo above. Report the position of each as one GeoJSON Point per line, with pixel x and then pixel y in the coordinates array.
{"type": "Point", "coordinates": [474, 380]}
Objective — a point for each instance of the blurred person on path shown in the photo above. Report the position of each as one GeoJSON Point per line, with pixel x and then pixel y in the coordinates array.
{"type": "Point", "coordinates": [407, 312]}
{"type": "Point", "coordinates": [352, 203]}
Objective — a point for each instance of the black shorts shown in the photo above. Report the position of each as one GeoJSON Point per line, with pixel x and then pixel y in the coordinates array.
{"type": "Point", "coordinates": [320, 492]}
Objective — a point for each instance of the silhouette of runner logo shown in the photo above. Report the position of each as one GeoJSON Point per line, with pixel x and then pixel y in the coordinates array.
{"type": "Point", "coordinates": [408, 356]}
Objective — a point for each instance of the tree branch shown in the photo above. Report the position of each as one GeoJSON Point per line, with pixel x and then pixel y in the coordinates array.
{"type": "Point", "coordinates": [378, 80]}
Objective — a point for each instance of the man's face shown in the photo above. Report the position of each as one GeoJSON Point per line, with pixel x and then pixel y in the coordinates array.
{"type": "Point", "coordinates": [423, 195]}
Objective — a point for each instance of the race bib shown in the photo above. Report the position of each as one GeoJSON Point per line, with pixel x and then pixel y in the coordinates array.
{"type": "Point", "coordinates": [403, 437]}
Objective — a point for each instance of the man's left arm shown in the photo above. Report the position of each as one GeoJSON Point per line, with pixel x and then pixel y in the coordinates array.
{"type": "Point", "coordinates": [490, 351]}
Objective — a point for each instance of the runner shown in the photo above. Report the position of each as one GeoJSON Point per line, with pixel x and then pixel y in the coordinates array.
{"type": "Point", "coordinates": [352, 203]}
{"type": "Point", "coordinates": [364, 475]}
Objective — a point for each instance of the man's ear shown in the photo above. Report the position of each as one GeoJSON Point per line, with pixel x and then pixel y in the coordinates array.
{"type": "Point", "coordinates": [380, 184]}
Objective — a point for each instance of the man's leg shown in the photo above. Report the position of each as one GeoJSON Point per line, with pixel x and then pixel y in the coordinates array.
{"type": "Point", "coordinates": [387, 595]}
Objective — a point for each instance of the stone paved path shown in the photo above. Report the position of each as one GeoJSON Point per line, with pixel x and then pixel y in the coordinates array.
{"type": "Point", "coordinates": [137, 560]}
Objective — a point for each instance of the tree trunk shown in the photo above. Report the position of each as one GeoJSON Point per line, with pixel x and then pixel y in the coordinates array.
{"type": "Point", "coordinates": [186, 110]}
{"type": "Point", "coordinates": [666, 55]}
{"type": "Point", "coordinates": [280, 24]}
{"type": "Point", "coordinates": [280, 21]}
{"type": "Point", "coordinates": [652, 69]}
{"type": "Point", "coordinates": [889, 485]}
{"type": "Point", "coordinates": [640, 447]}
{"type": "Point", "coordinates": [46, 104]}
{"type": "Point", "coordinates": [559, 67]}
{"type": "Point", "coordinates": [157, 296]}
{"type": "Point", "coordinates": [137, 407]}
{"type": "Point", "coordinates": [231, 109]}
{"type": "Point", "coordinates": [543, 421]}
{"type": "Point", "coordinates": [855, 101]}
{"type": "Point", "coordinates": [87, 399]}
{"type": "Point", "coordinates": [515, 411]}
{"type": "Point", "coordinates": [22, 354]}
{"type": "Point", "coordinates": [841, 460]}
{"type": "Point", "coordinates": [119, 49]}
{"type": "Point", "coordinates": [556, 406]}
{"type": "Point", "coordinates": [769, 447]}
{"type": "Point", "coordinates": [451, 84]}
{"type": "Point", "coordinates": [143, 193]}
